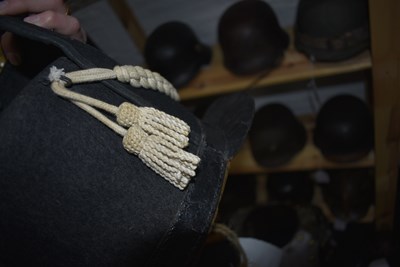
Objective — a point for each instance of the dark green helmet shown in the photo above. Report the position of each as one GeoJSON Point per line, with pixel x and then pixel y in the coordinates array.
{"type": "Point", "coordinates": [174, 51]}
{"type": "Point", "coordinates": [344, 129]}
{"type": "Point", "coordinates": [332, 30]}
{"type": "Point", "coordinates": [251, 38]}
{"type": "Point", "coordinates": [349, 193]}
{"type": "Point", "coordinates": [276, 135]}
{"type": "Point", "coordinates": [290, 187]}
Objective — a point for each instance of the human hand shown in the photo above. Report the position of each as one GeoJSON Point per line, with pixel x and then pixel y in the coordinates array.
{"type": "Point", "coordinates": [49, 14]}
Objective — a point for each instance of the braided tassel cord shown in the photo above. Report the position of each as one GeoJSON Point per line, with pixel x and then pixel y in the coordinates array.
{"type": "Point", "coordinates": [156, 137]}
{"type": "Point", "coordinates": [154, 122]}
{"type": "Point", "coordinates": [174, 164]}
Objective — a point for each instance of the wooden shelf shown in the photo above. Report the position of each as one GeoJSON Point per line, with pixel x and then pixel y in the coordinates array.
{"type": "Point", "coordinates": [215, 78]}
{"type": "Point", "coordinates": [310, 158]}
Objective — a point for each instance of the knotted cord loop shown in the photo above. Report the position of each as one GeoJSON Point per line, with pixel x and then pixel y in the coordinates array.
{"type": "Point", "coordinates": [138, 76]}
{"type": "Point", "coordinates": [134, 75]}
{"type": "Point", "coordinates": [155, 137]}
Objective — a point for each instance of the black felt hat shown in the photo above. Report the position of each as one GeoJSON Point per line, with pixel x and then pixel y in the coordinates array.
{"type": "Point", "coordinates": [71, 195]}
{"type": "Point", "coordinates": [174, 51]}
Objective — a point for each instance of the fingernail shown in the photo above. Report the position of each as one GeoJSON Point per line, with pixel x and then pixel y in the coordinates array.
{"type": "Point", "coordinates": [13, 58]}
{"type": "Point", "coordinates": [3, 5]}
{"type": "Point", "coordinates": [34, 19]}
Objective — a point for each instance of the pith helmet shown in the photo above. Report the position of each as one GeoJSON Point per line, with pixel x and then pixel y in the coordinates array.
{"type": "Point", "coordinates": [344, 129]}
{"type": "Point", "coordinates": [174, 51]}
{"type": "Point", "coordinates": [332, 30]}
{"type": "Point", "coordinates": [276, 135]}
{"type": "Point", "coordinates": [251, 38]}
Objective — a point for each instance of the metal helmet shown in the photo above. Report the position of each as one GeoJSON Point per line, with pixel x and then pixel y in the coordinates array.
{"type": "Point", "coordinates": [349, 193]}
{"type": "Point", "coordinates": [332, 30]}
{"type": "Point", "coordinates": [174, 51]}
{"type": "Point", "coordinates": [276, 224]}
{"type": "Point", "coordinates": [276, 135]}
{"type": "Point", "coordinates": [344, 129]}
{"type": "Point", "coordinates": [251, 38]}
{"type": "Point", "coordinates": [290, 187]}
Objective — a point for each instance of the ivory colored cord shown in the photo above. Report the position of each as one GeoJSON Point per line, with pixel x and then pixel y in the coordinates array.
{"type": "Point", "coordinates": [155, 137]}
{"type": "Point", "coordinates": [176, 166]}
{"type": "Point", "coordinates": [134, 75]}
{"type": "Point", "coordinates": [152, 120]}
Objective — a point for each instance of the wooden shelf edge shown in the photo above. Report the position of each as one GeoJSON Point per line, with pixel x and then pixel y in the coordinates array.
{"type": "Point", "coordinates": [309, 158]}
{"type": "Point", "coordinates": [215, 79]}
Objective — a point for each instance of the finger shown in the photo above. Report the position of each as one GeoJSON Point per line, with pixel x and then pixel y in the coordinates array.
{"type": "Point", "coordinates": [10, 48]}
{"type": "Point", "coordinates": [60, 23]}
{"type": "Point", "coordinates": [16, 7]}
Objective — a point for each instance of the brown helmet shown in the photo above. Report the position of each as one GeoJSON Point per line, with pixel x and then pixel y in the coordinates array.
{"type": "Point", "coordinates": [174, 51]}
{"type": "Point", "coordinates": [349, 193]}
{"type": "Point", "coordinates": [276, 135]}
{"type": "Point", "coordinates": [251, 38]}
{"type": "Point", "coordinates": [344, 129]}
{"type": "Point", "coordinates": [332, 30]}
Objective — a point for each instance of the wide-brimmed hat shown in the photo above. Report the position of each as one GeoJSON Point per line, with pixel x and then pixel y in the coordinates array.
{"type": "Point", "coordinates": [79, 187]}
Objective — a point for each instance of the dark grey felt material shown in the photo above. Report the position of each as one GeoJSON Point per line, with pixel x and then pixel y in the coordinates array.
{"type": "Point", "coordinates": [69, 193]}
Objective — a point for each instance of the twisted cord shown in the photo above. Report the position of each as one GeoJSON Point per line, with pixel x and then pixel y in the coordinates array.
{"type": "Point", "coordinates": [155, 137]}
{"type": "Point", "coordinates": [152, 120]}
{"type": "Point", "coordinates": [138, 76]}
{"type": "Point", "coordinates": [134, 75]}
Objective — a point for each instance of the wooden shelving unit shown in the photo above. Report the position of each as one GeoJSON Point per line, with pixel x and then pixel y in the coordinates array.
{"type": "Point", "coordinates": [309, 158]}
{"type": "Point", "coordinates": [384, 64]}
{"type": "Point", "coordinates": [215, 79]}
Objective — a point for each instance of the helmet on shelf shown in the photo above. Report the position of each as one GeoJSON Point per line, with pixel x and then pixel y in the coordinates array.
{"type": "Point", "coordinates": [344, 129]}
{"type": "Point", "coordinates": [276, 135]}
{"type": "Point", "coordinates": [251, 38]}
{"type": "Point", "coordinates": [349, 193]}
{"type": "Point", "coordinates": [290, 187]}
{"type": "Point", "coordinates": [174, 51]}
{"type": "Point", "coordinates": [332, 30]}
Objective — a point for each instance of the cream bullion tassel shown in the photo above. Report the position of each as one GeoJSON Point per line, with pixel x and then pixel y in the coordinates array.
{"type": "Point", "coordinates": [155, 122]}
{"type": "Point", "coordinates": [156, 137]}
{"type": "Point", "coordinates": [174, 164]}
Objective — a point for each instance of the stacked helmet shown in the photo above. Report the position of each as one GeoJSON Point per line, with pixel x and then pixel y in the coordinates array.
{"type": "Point", "coordinates": [290, 187]}
{"type": "Point", "coordinates": [349, 193]}
{"type": "Point", "coordinates": [273, 223]}
{"type": "Point", "coordinates": [276, 135]}
{"type": "Point", "coordinates": [332, 30]}
{"type": "Point", "coordinates": [251, 38]}
{"type": "Point", "coordinates": [174, 51]}
{"type": "Point", "coordinates": [344, 129]}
